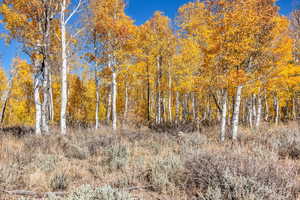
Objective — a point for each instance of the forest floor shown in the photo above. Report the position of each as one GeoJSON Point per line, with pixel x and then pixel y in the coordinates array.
{"type": "Point", "coordinates": [143, 164]}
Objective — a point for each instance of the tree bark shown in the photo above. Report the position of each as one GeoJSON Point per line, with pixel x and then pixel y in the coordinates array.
{"type": "Point", "coordinates": [258, 114]}
{"type": "Point", "coordinates": [5, 98]}
{"type": "Point", "coordinates": [97, 101]}
{"type": "Point", "coordinates": [64, 71]}
{"type": "Point", "coordinates": [114, 100]}
{"type": "Point", "coordinates": [170, 97]}
{"type": "Point", "coordinates": [45, 104]}
{"type": "Point", "coordinates": [236, 112]}
{"type": "Point", "coordinates": [38, 107]}
{"type": "Point", "coordinates": [51, 104]}
{"type": "Point", "coordinates": [177, 107]}
{"type": "Point", "coordinates": [158, 92]}
{"type": "Point", "coordinates": [276, 108]}
{"type": "Point", "coordinates": [250, 113]}
{"type": "Point", "coordinates": [126, 102]}
{"type": "Point", "coordinates": [223, 116]}
{"type": "Point", "coordinates": [108, 107]}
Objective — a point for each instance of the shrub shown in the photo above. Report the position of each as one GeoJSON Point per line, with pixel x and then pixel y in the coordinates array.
{"type": "Point", "coordinates": [59, 181]}
{"type": "Point", "coordinates": [232, 176]}
{"type": "Point", "coordinates": [165, 172]}
{"type": "Point", "coordinates": [118, 156]}
{"type": "Point", "coordinates": [87, 192]}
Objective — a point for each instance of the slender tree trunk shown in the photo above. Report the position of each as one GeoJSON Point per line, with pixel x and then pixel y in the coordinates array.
{"type": "Point", "coordinates": [250, 112]}
{"type": "Point", "coordinates": [236, 112]}
{"type": "Point", "coordinates": [97, 101]}
{"type": "Point", "coordinates": [126, 102]}
{"type": "Point", "coordinates": [276, 106]}
{"type": "Point", "coordinates": [259, 109]}
{"type": "Point", "coordinates": [45, 104]}
{"type": "Point", "coordinates": [108, 106]}
{"type": "Point", "coordinates": [114, 100]}
{"type": "Point", "coordinates": [158, 92]}
{"type": "Point", "coordinates": [5, 97]}
{"type": "Point", "coordinates": [294, 116]}
{"type": "Point", "coordinates": [148, 95]}
{"type": "Point", "coordinates": [177, 107]}
{"type": "Point", "coordinates": [266, 109]}
{"type": "Point", "coordinates": [223, 116]}
{"type": "Point", "coordinates": [170, 97]}
{"type": "Point", "coordinates": [254, 108]}
{"type": "Point", "coordinates": [64, 72]}
{"type": "Point", "coordinates": [38, 108]}
{"type": "Point", "coordinates": [194, 106]}
{"type": "Point", "coordinates": [51, 106]}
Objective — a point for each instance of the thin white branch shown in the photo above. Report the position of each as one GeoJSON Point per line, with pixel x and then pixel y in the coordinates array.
{"type": "Point", "coordinates": [73, 12]}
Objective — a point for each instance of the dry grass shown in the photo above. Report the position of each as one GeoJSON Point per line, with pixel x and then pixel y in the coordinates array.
{"type": "Point", "coordinates": [142, 164]}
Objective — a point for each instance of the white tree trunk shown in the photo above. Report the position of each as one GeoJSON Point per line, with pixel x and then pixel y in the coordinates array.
{"type": "Point", "coordinates": [38, 108]}
{"type": "Point", "coordinates": [276, 105]}
{"type": "Point", "coordinates": [51, 106]}
{"type": "Point", "coordinates": [108, 107]}
{"type": "Point", "coordinates": [5, 97]}
{"type": "Point", "coordinates": [64, 72]}
{"type": "Point", "coordinates": [254, 108]}
{"type": "Point", "coordinates": [170, 97]}
{"type": "Point", "coordinates": [158, 92]}
{"type": "Point", "coordinates": [97, 102]}
{"type": "Point", "coordinates": [177, 107]}
{"type": "Point", "coordinates": [223, 116]}
{"type": "Point", "coordinates": [45, 105]}
{"type": "Point", "coordinates": [236, 112]}
{"type": "Point", "coordinates": [126, 102]}
{"type": "Point", "coordinates": [250, 114]}
{"type": "Point", "coordinates": [258, 114]}
{"type": "Point", "coordinates": [194, 106]}
{"type": "Point", "coordinates": [114, 100]}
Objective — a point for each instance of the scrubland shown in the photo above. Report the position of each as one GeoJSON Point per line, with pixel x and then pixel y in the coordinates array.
{"type": "Point", "coordinates": [145, 164]}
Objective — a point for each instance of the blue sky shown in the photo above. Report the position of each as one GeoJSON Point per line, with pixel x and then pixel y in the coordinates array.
{"type": "Point", "coordinates": [140, 11]}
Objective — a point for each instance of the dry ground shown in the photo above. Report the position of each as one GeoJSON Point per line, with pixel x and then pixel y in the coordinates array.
{"type": "Point", "coordinates": [142, 164]}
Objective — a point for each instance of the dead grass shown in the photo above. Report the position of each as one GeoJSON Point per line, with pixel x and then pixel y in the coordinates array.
{"type": "Point", "coordinates": [151, 165]}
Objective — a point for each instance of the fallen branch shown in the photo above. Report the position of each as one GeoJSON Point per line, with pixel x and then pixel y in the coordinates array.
{"type": "Point", "coordinates": [30, 193]}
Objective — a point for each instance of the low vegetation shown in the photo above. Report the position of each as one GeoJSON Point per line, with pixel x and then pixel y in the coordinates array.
{"type": "Point", "coordinates": [145, 164]}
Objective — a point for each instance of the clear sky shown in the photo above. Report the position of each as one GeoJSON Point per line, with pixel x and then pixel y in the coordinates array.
{"type": "Point", "coordinates": [140, 11]}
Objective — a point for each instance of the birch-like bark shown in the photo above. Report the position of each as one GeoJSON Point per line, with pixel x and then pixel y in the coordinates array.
{"type": "Point", "coordinates": [194, 106]}
{"type": "Point", "coordinates": [236, 112]}
{"type": "Point", "coordinates": [38, 107]}
{"type": "Point", "coordinates": [97, 101]}
{"type": "Point", "coordinates": [266, 109]}
{"type": "Point", "coordinates": [108, 106]}
{"type": "Point", "coordinates": [158, 92]}
{"type": "Point", "coordinates": [170, 97]}
{"type": "Point", "coordinates": [126, 102]}
{"type": "Point", "coordinates": [259, 110]}
{"type": "Point", "coordinates": [276, 106]}
{"type": "Point", "coordinates": [250, 114]}
{"type": "Point", "coordinates": [223, 116]}
{"type": "Point", "coordinates": [114, 100]}
{"type": "Point", "coordinates": [51, 104]}
{"type": "Point", "coordinates": [64, 71]}
{"type": "Point", "coordinates": [177, 107]}
{"type": "Point", "coordinates": [5, 97]}
{"type": "Point", "coordinates": [45, 104]}
{"type": "Point", "coordinates": [254, 108]}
